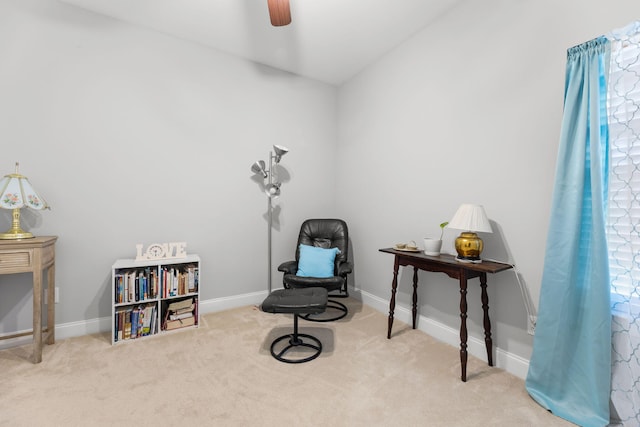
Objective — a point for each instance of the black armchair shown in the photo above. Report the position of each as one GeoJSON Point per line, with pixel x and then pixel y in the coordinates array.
{"type": "Point", "coordinates": [326, 234]}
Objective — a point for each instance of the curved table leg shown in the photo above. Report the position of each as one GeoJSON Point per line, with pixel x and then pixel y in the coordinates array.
{"type": "Point", "coordinates": [487, 322]}
{"type": "Point", "coordinates": [463, 327]}
{"type": "Point", "coordinates": [414, 307]}
{"type": "Point", "coordinates": [392, 302]}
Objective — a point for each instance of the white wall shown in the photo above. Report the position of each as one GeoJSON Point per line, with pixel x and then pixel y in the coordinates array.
{"type": "Point", "coordinates": [136, 137]}
{"type": "Point", "coordinates": [466, 111]}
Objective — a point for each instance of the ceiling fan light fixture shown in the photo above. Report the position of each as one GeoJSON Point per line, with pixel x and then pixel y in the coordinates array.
{"type": "Point", "coordinates": [279, 12]}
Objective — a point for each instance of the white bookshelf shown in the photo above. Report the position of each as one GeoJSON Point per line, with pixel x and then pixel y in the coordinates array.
{"type": "Point", "coordinates": [142, 292]}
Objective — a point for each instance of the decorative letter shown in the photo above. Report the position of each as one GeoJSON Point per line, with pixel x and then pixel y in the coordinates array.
{"type": "Point", "coordinates": [161, 251]}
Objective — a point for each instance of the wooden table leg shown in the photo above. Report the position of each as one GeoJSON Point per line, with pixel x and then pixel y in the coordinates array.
{"type": "Point", "coordinates": [392, 302]}
{"type": "Point", "coordinates": [414, 308]}
{"type": "Point", "coordinates": [37, 315]}
{"type": "Point", "coordinates": [51, 307]}
{"type": "Point", "coordinates": [463, 327]}
{"type": "Point", "coordinates": [487, 323]}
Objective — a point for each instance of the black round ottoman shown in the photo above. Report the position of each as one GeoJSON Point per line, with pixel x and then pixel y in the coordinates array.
{"type": "Point", "coordinates": [300, 301]}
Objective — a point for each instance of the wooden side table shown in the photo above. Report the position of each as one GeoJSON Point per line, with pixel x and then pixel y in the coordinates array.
{"type": "Point", "coordinates": [34, 256]}
{"type": "Point", "coordinates": [448, 265]}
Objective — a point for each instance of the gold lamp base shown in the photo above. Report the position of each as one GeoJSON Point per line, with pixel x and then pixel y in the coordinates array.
{"type": "Point", "coordinates": [15, 232]}
{"type": "Point", "coordinates": [469, 246]}
{"type": "Point", "coordinates": [15, 235]}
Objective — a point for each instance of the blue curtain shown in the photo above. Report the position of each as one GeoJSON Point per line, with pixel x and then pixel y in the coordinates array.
{"type": "Point", "coordinates": [570, 367]}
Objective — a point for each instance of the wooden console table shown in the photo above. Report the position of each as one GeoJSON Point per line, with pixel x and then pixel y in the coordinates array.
{"type": "Point", "coordinates": [33, 256]}
{"type": "Point", "coordinates": [457, 270]}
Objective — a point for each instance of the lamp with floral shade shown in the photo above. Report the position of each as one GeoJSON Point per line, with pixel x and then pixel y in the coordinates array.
{"type": "Point", "coordinates": [15, 193]}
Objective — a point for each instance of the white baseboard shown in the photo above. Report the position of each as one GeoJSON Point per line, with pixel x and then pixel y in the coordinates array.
{"type": "Point", "coordinates": [63, 331]}
{"type": "Point", "coordinates": [103, 324]}
{"type": "Point", "coordinates": [227, 303]}
{"type": "Point", "coordinates": [511, 363]}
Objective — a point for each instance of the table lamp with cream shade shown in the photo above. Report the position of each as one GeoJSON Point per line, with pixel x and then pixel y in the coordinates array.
{"type": "Point", "coordinates": [471, 219]}
{"type": "Point", "coordinates": [15, 193]}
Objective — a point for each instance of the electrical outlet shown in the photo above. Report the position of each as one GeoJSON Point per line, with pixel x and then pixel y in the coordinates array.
{"type": "Point", "coordinates": [531, 324]}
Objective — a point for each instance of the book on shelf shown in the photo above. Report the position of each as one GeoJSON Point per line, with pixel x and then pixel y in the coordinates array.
{"type": "Point", "coordinates": [183, 315]}
{"type": "Point", "coordinates": [135, 318]}
{"type": "Point", "coordinates": [148, 313]}
{"type": "Point", "coordinates": [181, 305]}
{"type": "Point", "coordinates": [119, 288]}
{"type": "Point", "coordinates": [126, 325]}
{"type": "Point", "coordinates": [180, 323]}
{"type": "Point", "coordinates": [188, 309]}
{"type": "Point", "coordinates": [192, 282]}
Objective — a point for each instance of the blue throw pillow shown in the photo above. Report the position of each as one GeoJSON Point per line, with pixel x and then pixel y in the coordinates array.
{"type": "Point", "coordinates": [316, 262]}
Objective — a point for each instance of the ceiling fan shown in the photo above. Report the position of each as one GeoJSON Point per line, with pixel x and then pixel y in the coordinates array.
{"type": "Point", "coordinates": [279, 12]}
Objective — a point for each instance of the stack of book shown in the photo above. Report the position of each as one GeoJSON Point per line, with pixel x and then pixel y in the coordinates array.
{"type": "Point", "coordinates": [180, 314]}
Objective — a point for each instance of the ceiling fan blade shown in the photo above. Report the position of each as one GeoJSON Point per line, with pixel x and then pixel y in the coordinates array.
{"type": "Point", "coordinates": [279, 12]}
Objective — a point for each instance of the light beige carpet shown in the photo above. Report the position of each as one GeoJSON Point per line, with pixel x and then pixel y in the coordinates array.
{"type": "Point", "coordinates": [222, 374]}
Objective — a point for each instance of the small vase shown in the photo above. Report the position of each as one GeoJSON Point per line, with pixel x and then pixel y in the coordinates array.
{"type": "Point", "coordinates": [432, 246]}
